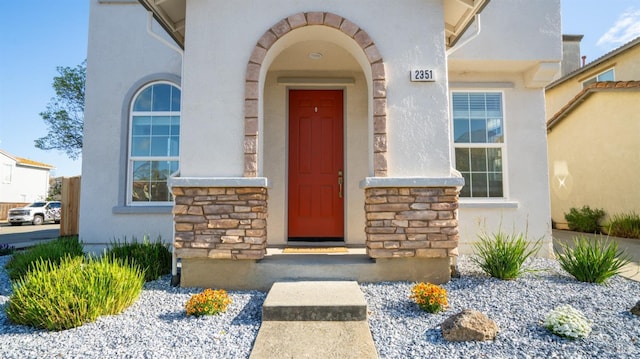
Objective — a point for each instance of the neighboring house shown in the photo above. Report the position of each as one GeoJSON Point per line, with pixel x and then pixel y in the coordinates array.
{"type": "Point", "coordinates": [22, 180]}
{"type": "Point", "coordinates": [402, 127]}
{"type": "Point", "coordinates": [594, 135]}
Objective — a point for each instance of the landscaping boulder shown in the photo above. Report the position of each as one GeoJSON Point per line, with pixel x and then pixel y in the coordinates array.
{"type": "Point", "coordinates": [469, 325]}
{"type": "Point", "coordinates": [636, 309]}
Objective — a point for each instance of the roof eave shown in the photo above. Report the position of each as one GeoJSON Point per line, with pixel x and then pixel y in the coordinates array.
{"type": "Point", "coordinates": [595, 63]}
{"type": "Point", "coordinates": [164, 12]}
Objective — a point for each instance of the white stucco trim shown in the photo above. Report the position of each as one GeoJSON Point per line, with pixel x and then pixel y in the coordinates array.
{"type": "Point", "coordinates": [373, 182]}
{"type": "Point", "coordinates": [481, 85]}
{"type": "Point", "coordinates": [487, 204]}
{"type": "Point", "coordinates": [313, 81]}
{"type": "Point", "coordinates": [218, 182]}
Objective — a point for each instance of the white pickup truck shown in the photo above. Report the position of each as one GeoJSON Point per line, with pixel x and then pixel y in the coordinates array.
{"type": "Point", "coordinates": [36, 213]}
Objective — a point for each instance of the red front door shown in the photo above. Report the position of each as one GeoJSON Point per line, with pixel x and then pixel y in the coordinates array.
{"type": "Point", "coordinates": [316, 206]}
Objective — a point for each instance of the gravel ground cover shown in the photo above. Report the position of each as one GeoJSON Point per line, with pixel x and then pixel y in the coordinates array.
{"type": "Point", "coordinates": [156, 325]}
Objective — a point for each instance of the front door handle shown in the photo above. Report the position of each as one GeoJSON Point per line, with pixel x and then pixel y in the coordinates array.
{"type": "Point", "coordinates": [340, 181]}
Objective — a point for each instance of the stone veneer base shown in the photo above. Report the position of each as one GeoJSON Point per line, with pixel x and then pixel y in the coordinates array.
{"type": "Point", "coordinates": [411, 221]}
{"type": "Point", "coordinates": [220, 222]}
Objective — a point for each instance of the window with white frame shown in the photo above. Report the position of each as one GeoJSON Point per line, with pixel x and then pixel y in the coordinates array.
{"type": "Point", "coordinates": [603, 76]}
{"type": "Point", "coordinates": [7, 172]}
{"type": "Point", "coordinates": [154, 143]}
{"type": "Point", "coordinates": [478, 130]}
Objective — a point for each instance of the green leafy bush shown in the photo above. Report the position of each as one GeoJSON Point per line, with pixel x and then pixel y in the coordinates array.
{"type": "Point", "coordinates": [53, 251]}
{"type": "Point", "coordinates": [625, 225]}
{"type": "Point", "coordinates": [73, 292]}
{"type": "Point", "coordinates": [501, 255]}
{"type": "Point", "coordinates": [154, 258]}
{"type": "Point", "coordinates": [585, 220]}
{"type": "Point", "coordinates": [209, 302]}
{"type": "Point", "coordinates": [568, 322]}
{"type": "Point", "coordinates": [592, 261]}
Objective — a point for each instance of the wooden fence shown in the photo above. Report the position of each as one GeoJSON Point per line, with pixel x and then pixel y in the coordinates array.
{"type": "Point", "coordinates": [6, 206]}
{"type": "Point", "coordinates": [70, 212]}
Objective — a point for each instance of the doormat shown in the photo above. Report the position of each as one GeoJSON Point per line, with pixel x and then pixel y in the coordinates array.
{"type": "Point", "coordinates": [304, 250]}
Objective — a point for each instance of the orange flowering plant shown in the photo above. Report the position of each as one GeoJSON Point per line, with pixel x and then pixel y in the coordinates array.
{"type": "Point", "coordinates": [430, 297]}
{"type": "Point", "coordinates": [209, 302]}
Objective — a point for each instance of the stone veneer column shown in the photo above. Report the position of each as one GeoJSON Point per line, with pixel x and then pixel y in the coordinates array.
{"type": "Point", "coordinates": [412, 221]}
{"type": "Point", "coordinates": [220, 222]}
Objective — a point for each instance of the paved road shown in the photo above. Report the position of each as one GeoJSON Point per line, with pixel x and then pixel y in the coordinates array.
{"type": "Point", "coordinates": [27, 234]}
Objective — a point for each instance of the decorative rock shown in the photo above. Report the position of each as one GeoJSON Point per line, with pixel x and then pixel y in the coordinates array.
{"type": "Point", "coordinates": [636, 309]}
{"type": "Point", "coordinates": [469, 325]}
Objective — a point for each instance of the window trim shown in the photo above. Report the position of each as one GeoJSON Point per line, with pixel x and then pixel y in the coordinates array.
{"type": "Point", "coordinates": [7, 173]}
{"type": "Point", "coordinates": [501, 202]}
{"type": "Point", "coordinates": [121, 207]}
{"type": "Point", "coordinates": [584, 82]}
{"type": "Point", "coordinates": [131, 158]}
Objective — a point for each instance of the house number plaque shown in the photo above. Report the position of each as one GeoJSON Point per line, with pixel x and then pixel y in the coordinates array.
{"type": "Point", "coordinates": [422, 75]}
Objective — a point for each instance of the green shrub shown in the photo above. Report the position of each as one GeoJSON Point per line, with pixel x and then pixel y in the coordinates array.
{"type": "Point", "coordinates": [592, 261]}
{"type": "Point", "coordinates": [625, 225]}
{"type": "Point", "coordinates": [154, 258]}
{"type": "Point", "coordinates": [501, 255]}
{"type": "Point", "coordinates": [584, 220]}
{"type": "Point", "coordinates": [53, 251]}
{"type": "Point", "coordinates": [6, 249]}
{"type": "Point", "coordinates": [73, 292]}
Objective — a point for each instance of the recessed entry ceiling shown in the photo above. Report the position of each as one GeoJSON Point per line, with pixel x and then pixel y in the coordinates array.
{"type": "Point", "coordinates": [296, 58]}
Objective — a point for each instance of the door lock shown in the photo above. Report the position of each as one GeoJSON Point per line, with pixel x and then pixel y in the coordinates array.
{"type": "Point", "coordinates": [340, 181]}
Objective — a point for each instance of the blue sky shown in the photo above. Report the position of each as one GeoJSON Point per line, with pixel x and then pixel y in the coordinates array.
{"type": "Point", "coordinates": [42, 34]}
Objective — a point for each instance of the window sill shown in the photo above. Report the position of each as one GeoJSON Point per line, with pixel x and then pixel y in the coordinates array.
{"type": "Point", "coordinates": [165, 209]}
{"type": "Point", "coordinates": [487, 203]}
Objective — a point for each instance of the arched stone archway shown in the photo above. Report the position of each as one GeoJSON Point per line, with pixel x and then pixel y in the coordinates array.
{"type": "Point", "coordinates": [252, 91]}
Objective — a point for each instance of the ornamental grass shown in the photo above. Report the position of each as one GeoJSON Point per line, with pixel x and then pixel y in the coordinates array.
{"type": "Point", "coordinates": [53, 251]}
{"type": "Point", "coordinates": [153, 257]}
{"type": "Point", "coordinates": [209, 302]}
{"type": "Point", "coordinates": [429, 297]}
{"type": "Point", "coordinates": [75, 291]}
{"type": "Point", "coordinates": [502, 255]}
{"type": "Point", "coordinates": [626, 225]}
{"type": "Point", "coordinates": [592, 261]}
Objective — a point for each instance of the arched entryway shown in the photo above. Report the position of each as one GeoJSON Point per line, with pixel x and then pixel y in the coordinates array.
{"type": "Point", "coordinates": [316, 53]}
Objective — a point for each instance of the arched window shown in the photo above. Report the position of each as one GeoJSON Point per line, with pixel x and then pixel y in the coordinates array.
{"type": "Point", "coordinates": [154, 143]}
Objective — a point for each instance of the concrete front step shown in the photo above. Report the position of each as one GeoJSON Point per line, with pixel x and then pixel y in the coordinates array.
{"type": "Point", "coordinates": [315, 301]}
{"type": "Point", "coordinates": [314, 319]}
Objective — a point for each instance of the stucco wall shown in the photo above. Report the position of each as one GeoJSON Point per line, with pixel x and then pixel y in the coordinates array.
{"type": "Point", "coordinates": [417, 119]}
{"type": "Point", "coordinates": [512, 34]}
{"type": "Point", "coordinates": [121, 57]}
{"type": "Point", "coordinates": [626, 68]}
{"type": "Point", "coordinates": [525, 208]}
{"type": "Point", "coordinates": [27, 184]}
{"type": "Point", "coordinates": [594, 156]}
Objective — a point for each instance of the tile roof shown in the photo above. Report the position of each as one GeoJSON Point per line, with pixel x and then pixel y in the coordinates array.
{"type": "Point", "coordinates": [32, 163]}
{"type": "Point", "coordinates": [26, 162]}
{"type": "Point", "coordinates": [588, 91]}
{"type": "Point", "coordinates": [595, 62]}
